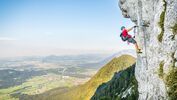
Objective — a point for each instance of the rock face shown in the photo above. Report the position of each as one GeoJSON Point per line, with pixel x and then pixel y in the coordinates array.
{"type": "Point", "coordinates": [123, 86]}
{"type": "Point", "coordinates": [157, 36]}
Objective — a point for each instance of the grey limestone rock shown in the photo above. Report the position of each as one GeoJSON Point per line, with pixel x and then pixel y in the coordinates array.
{"type": "Point", "coordinates": [155, 19]}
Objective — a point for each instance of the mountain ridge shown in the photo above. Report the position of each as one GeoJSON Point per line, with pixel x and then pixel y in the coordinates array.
{"type": "Point", "coordinates": [122, 86]}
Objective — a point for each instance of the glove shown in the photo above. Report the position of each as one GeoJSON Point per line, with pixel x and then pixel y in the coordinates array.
{"type": "Point", "coordinates": [135, 26]}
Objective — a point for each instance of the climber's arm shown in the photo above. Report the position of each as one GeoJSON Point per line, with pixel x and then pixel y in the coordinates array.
{"type": "Point", "coordinates": [130, 29]}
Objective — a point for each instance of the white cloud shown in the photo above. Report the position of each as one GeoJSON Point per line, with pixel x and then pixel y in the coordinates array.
{"type": "Point", "coordinates": [7, 39]}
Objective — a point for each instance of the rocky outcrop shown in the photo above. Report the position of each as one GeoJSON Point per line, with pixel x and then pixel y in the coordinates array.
{"type": "Point", "coordinates": [123, 86]}
{"type": "Point", "coordinates": [156, 67]}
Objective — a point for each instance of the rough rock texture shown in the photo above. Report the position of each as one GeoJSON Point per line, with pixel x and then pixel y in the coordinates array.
{"type": "Point", "coordinates": [158, 39]}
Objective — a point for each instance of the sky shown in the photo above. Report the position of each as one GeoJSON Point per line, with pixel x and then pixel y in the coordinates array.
{"type": "Point", "coordinates": [60, 27]}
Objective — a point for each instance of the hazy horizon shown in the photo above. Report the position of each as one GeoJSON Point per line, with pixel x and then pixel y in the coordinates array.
{"type": "Point", "coordinates": [30, 27]}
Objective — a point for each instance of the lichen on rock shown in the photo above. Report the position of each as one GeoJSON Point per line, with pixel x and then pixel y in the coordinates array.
{"type": "Point", "coordinates": [174, 29]}
{"type": "Point", "coordinates": [171, 82]}
{"type": "Point", "coordinates": [160, 72]}
{"type": "Point", "coordinates": [161, 22]}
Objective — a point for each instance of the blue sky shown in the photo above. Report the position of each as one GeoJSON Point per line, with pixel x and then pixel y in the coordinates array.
{"type": "Point", "coordinates": [44, 27]}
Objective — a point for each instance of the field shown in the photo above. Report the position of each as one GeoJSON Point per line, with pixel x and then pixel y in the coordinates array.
{"type": "Point", "coordinates": [39, 84]}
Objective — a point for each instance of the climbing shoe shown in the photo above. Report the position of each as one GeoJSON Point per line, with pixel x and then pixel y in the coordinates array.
{"type": "Point", "coordinates": [139, 51]}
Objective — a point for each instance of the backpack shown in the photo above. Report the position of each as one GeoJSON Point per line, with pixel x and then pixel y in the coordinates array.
{"type": "Point", "coordinates": [123, 38]}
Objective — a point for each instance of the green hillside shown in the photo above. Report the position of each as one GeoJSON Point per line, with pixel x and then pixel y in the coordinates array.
{"type": "Point", "coordinates": [87, 90]}
{"type": "Point", "coordinates": [123, 86]}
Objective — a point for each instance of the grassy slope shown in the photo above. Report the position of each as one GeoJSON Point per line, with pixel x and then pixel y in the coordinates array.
{"type": "Point", "coordinates": [123, 86]}
{"type": "Point", "coordinates": [86, 91]}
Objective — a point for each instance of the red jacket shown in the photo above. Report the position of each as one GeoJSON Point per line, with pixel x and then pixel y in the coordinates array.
{"type": "Point", "coordinates": [125, 33]}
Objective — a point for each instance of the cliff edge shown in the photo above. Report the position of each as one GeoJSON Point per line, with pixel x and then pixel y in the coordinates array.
{"type": "Point", "coordinates": [156, 67]}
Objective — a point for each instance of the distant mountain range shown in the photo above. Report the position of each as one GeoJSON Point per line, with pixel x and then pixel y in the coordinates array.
{"type": "Point", "coordinates": [89, 61]}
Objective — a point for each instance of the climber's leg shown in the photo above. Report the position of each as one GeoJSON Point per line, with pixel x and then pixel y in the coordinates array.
{"type": "Point", "coordinates": [137, 48]}
{"type": "Point", "coordinates": [131, 40]}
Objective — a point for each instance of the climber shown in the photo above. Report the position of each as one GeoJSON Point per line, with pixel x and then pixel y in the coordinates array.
{"type": "Point", "coordinates": [127, 37]}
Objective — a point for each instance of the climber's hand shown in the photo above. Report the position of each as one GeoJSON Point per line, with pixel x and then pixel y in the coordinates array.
{"type": "Point", "coordinates": [133, 36]}
{"type": "Point", "coordinates": [135, 26]}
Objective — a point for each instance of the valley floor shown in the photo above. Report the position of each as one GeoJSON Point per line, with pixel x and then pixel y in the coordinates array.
{"type": "Point", "coordinates": [40, 84]}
